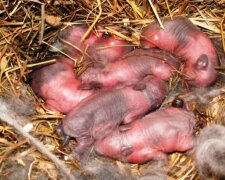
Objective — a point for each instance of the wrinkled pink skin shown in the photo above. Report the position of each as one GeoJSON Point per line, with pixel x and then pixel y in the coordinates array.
{"type": "Point", "coordinates": [109, 49]}
{"type": "Point", "coordinates": [73, 35]}
{"type": "Point", "coordinates": [100, 49]}
{"type": "Point", "coordinates": [57, 85]}
{"type": "Point", "coordinates": [97, 115]}
{"type": "Point", "coordinates": [186, 41]}
{"type": "Point", "coordinates": [131, 68]}
{"type": "Point", "coordinates": [163, 131]}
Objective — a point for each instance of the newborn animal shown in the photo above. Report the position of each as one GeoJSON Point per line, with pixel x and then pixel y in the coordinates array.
{"type": "Point", "coordinates": [131, 68]}
{"type": "Point", "coordinates": [185, 41]}
{"type": "Point", "coordinates": [97, 115]}
{"type": "Point", "coordinates": [152, 137]}
{"type": "Point", "coordinates": [58, 86]}
{"type": "Point", "coordinates": [99, 49]}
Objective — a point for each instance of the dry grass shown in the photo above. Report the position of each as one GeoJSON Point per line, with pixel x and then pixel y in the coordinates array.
{"type": "Point", "coordinates": [28, 28]}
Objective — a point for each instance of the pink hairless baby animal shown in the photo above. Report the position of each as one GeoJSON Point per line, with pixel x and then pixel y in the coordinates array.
{"type": "Point", "coordinates": [131, 68]}
{"type": "Point", "coordinates": [160, 132]}
{"type": "Point", "coordinates": [101, 50]}
{"type": "Point", "coordinates": [97, 115]}
{"type": "Point", "coordinates": [109, 49]}
{"type": "Point", "coordinates": [58, 86]}
{"type": "Point", "coordinates": [186, 41]}
{"type": "Point", "coordinates": [70, 39]}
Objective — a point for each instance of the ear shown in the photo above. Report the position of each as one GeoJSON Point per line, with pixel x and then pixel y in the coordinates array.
{"type": "Point", "coordinates": [139, 87]}
{"type": "Point", "coordinates": [124, 128]}
{"type": "Point", "coordinates": [202, 62]}
{"type": "Point", "coordinates": [126, 151]}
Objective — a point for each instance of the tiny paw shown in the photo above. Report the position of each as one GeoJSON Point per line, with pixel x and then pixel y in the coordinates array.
{"type": "Point", "coordinates": [76, 155]}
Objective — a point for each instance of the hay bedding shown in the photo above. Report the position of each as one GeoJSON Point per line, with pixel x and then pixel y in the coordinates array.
{"type": "Point", "coordinates": [29, 27]}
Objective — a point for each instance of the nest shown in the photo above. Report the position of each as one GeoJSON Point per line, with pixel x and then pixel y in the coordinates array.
{"type": "Point", "coordinates": [29, 27]}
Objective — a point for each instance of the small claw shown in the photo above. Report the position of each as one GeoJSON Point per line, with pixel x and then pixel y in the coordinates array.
{"type": "Point", "coordinates": [178, 103]}
{"type": "Point", "coordinates": [66, 140]}
{"type": "Point", "coordinates": [61, 133]}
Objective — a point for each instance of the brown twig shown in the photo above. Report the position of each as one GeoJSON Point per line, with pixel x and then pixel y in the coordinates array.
{"type": "Point", "coordinates": [184, 5]}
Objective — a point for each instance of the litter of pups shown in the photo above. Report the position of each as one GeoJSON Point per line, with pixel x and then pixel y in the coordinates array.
{"type": "Point", "coordinates": [112, 106]}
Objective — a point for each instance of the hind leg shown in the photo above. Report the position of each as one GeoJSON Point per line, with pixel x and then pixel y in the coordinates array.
{"type": "Point", "coordinates": [84, 144]}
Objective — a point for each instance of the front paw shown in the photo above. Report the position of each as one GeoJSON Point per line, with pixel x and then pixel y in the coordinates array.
{"type": "Point", "coordinates": [61, 133]}
{"type": "Point", "coordinates": [76, 156]}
